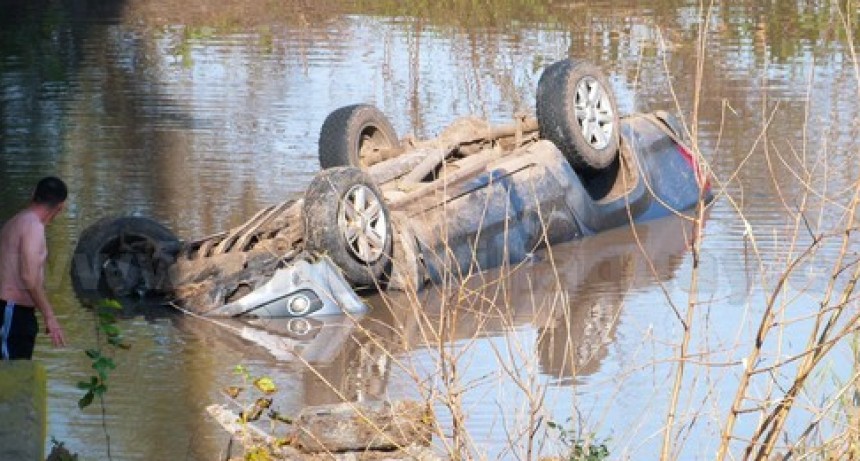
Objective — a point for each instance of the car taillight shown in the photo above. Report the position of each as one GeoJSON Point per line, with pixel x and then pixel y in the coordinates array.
{"type": "Point", "coordinates": [701, 177]}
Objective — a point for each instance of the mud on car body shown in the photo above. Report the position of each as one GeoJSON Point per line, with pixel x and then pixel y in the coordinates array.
{"type": "Point", "coordinates": [393, 214]}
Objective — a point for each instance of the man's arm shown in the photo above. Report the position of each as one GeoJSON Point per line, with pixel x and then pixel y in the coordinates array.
{"type": "Point", "coordinates": [33, 253]}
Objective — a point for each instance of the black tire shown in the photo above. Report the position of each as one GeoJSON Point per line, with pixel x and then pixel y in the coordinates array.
{"type": "Point", "coordinates": [363, 257]}
{"type": "Point", "coordinates": [123, 257]}
{"type": "Point", "coordinates": [350, 133]}
{"type": "Point", "coordinates": [585, 129]}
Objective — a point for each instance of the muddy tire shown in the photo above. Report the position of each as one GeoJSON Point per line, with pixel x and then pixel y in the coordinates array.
{"type": "Point", "coordinates": [347, 219]}
{"type": "Point", "coordinates": [576, 110]}
{"type": "Point", "coordinates": [351, 135]}
{"type": "Point", "coordinates": [123, 257]}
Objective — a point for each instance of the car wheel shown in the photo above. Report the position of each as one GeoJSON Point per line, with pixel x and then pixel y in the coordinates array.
{"type": "Point", "coordinates": [347, 219]}
{"type": "Point", "coordinates": [576, 110]}
{"type": "Point", "coordinates": [123, 257]}
{"type": "Point", "coordinates": [351, 136]}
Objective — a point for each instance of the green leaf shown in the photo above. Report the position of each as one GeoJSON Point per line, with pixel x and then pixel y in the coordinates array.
{"type": "Point", "coordinates": [266, 385]}
{"type": "Point", "coordinates": [258, 454]}
{"type": "Point", "coordinates": [106, 318]}
{"type": "Point", "coordinates": [111, 330]}
{"type": "Point", "coordinates": [104, 362]}
{"type": "Point", "coordinates": [85, 386]}
{"type": "Point", "coordinates": [86, 400]}
{"type": "Point", "coordinates": [110, 304]}
{"type": "Point", "coordinates": [243, 372]}
{"type": "Point", "coordinates": [103, 365]}
{"type": "Point", "coordinates": [100, 389]}
{"type": "Point", "coordinates": [93, 353]}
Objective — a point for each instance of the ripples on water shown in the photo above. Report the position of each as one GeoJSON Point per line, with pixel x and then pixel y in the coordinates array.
{"type": "Point", "coordinates": [198, 118]}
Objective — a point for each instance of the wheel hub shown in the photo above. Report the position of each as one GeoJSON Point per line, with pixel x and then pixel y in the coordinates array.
{"type": "Point", "coordinates": [594, 113]}
{"type": "Point", "coordinates": [364, 225]}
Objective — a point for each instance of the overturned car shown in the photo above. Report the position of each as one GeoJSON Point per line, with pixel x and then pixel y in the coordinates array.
{"type": "Point", "coordinates": [386, 213]}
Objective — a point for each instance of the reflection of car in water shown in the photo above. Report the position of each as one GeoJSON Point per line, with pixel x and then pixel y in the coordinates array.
{"type": "Point", "coordinates": [597, 276]}
{"type": "Point", "coordinates": [342, 358]}
{"type": "Point", "coordinates": [572, 301]}
{"type": "Point", "coordinates": [385, 213]}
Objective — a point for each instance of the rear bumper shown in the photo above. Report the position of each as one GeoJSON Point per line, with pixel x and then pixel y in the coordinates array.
{"type": "Point", "coordinates": [301, 289]}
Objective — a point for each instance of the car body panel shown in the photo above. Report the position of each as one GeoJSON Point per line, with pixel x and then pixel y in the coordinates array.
{"type": "Point", "coordinates": [533, 198]}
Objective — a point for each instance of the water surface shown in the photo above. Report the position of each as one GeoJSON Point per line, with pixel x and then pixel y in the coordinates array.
{"type": "Point", "coordinates": [199, 116]}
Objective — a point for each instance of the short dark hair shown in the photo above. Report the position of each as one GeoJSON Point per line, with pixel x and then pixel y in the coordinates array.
{"type": "Point", "coordinates": [50, 191]}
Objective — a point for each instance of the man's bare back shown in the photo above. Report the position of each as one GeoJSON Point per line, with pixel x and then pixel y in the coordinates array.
{"type": "Point", "coordinates": [22, 257]}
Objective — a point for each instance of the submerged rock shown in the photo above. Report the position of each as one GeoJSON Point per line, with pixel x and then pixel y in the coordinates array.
{"type": "Point", "coordinates": [380, 426]}
{"type": "Point", "coordinates": [367, 431]}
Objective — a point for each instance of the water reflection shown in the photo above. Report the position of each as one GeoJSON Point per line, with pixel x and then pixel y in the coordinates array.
{"type": "Point", "coordinates": [565, 304]}
{"type": "Point", "coordinates": [199, 116]}
{"type": "Point", "coordinates": [570, 297]}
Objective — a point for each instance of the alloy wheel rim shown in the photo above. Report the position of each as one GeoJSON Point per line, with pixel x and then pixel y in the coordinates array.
{"type": "Point", "coordinates": [362, 220]}
{"type": "Point", "coordinates": [594, 113]}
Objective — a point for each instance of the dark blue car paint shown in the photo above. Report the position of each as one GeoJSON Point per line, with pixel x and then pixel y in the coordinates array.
{"type": "Point", "coordinates": [504, 215]}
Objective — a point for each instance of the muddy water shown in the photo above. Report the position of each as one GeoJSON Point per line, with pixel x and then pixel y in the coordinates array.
{"type": "Point", "coordinates": [199, 116]}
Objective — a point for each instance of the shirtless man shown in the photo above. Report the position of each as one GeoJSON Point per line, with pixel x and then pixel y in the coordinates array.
{"type": "Point", "coordinates": [23, 253]}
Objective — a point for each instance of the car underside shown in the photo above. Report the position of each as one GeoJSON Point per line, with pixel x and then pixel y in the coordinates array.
{"type": "Point", "coordinates": [398, 214]}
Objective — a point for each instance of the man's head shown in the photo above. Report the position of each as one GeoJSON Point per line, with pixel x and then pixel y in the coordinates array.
{"type": "Point", "coordinates": [50, 191]}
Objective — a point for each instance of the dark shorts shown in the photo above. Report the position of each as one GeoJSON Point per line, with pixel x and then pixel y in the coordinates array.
{"type": "Point", "coordinates": [18, 328]}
